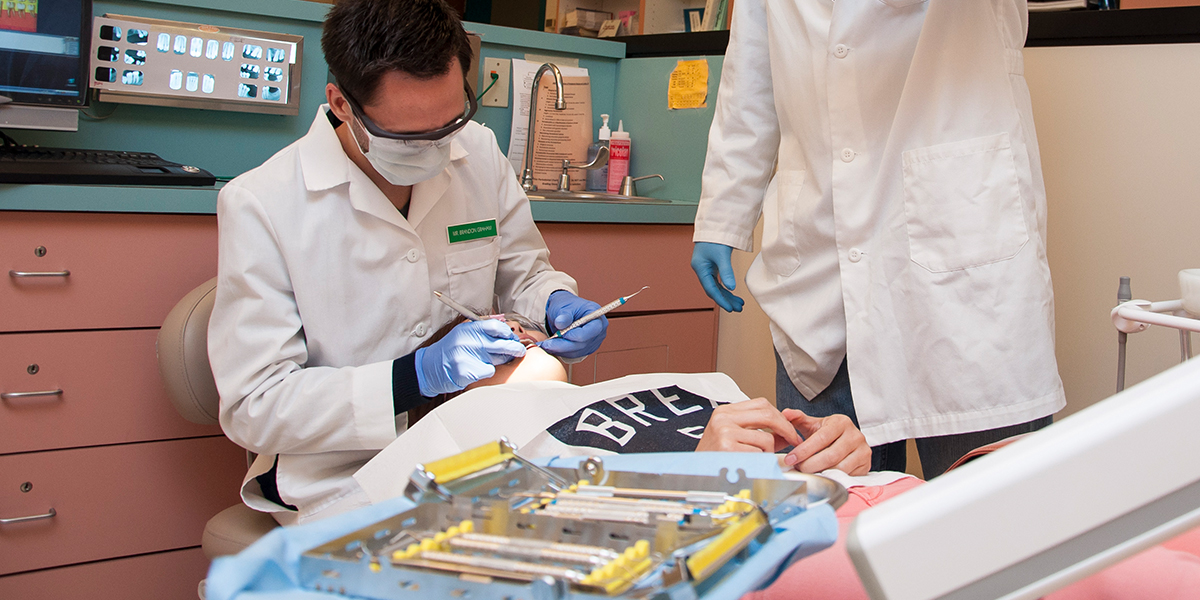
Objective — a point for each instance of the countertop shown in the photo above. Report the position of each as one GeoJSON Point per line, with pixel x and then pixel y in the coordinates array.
{"type": "Point", "coordinates": [203, 201]}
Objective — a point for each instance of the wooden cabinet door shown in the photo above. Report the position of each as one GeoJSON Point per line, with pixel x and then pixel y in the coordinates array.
{"type": "Point", "coordinates": [681, 342]}
{"type": "Point", "coordinates": [113, 500]}
{"type": "Point", "coordinates": [108, 391]}
{"type": "Point", "coordinates": [100, 271]}
{"type": "Point", "coordinates": [162, 576]}
{"type": "Point", "coordinates": [610, 261]}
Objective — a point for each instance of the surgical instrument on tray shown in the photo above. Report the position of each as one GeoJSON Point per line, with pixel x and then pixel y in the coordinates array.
{"type": "Point", "coordinates": [596, 314]}
{"type": "Point", "coordinates": [487, 523]}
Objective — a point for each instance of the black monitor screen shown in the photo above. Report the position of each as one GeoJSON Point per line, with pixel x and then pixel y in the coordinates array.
{"type": "Point", "coordinates": [44, 51]}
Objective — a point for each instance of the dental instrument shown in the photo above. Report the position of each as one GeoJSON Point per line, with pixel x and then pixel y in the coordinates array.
{"type": "Point", "coordinates": [458, 308]}
{"type": "Point", "coordinates": [486, 525]}
{"type": "Point", "coordinates": [596, 314]}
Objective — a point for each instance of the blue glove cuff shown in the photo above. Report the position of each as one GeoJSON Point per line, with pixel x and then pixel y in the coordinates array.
{"type": "Point", "coordinates": [418, 361]}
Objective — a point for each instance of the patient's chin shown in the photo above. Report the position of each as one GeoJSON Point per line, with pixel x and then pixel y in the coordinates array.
{"type": "Point", "coordinates": [536, 365]}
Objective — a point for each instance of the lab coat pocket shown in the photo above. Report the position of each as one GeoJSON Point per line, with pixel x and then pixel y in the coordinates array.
{"type": "Point", "coordinates": [780, 248]}
{"type": "Point", "coordinates": [963, 204]}
{"type": "Point", "coordinates": [473, 273]}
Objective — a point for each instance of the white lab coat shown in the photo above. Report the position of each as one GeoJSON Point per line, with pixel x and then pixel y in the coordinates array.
{"type": "Point", "coordinates": [322, 283]}
{"type": "Point", "coordinates": [904, 226]}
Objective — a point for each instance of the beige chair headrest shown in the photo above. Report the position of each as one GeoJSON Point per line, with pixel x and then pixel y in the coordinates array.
{"type": "Point", "coordinates": [183, 356]}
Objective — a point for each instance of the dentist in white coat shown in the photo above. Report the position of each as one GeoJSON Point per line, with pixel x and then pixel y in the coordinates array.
{"type": "Point", "coordinates": [889, 147]}
{"type": "Point", "coordinates": [331, 250]}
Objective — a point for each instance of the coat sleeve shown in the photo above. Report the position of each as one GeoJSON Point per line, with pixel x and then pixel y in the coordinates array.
{"type": "Point", "coordinates": [524, 277]}
{"type": "Point", "coordinates": [744, 138]}
{"type": "Point", "coordinates": [271, 402]}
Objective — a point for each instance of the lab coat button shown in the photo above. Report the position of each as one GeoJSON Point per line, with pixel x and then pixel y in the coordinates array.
{"type": "Point", "coordinates": [847, 155]}
{"type": "Point", "coordinates": [855, 255]}
{"type": "Point", "coordinates": [420, 330]}
{"type": "Point", "coordinates": [413, 255]}
{"type": "Point", "coordinates": [841, 50]}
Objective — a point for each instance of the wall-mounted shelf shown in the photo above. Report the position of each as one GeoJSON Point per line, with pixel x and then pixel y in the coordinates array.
{"type": "Point", "coordinates": [1071, 28]}
{"type": "Point", "coordinates": [1115, 27]}
{"type": "Point", "coordinates": [654, 16]}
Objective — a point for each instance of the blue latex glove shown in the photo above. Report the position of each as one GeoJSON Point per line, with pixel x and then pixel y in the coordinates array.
{"type": "Point", "coordinates": [466, 355]}
{"type": "Point", "coordinates": [562, 309]}
{"type": "Point", "coordinates": [710, 260]}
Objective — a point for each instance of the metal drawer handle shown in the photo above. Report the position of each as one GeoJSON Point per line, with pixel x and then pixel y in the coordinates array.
{"type": "Point", "coordinates": [15, 395]}
{"type": "Point", "coordinates": [29, 518]}
{"type": "Point", "coordinates": [62, 273]}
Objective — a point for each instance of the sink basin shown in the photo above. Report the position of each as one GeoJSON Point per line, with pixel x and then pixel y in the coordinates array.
{"type": "Point", "coordinates": [555, 195]}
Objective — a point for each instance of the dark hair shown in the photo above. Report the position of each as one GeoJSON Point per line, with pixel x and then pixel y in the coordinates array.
{"type": "Point", "coordinates": [364, 39]}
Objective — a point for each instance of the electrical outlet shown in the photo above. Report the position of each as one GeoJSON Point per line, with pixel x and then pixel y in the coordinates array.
{"type": "Point", "coordinates": [498, 94]}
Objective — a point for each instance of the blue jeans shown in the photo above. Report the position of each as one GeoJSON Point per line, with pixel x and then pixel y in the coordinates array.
{"type": "Point", "coordinates": [937, 453]}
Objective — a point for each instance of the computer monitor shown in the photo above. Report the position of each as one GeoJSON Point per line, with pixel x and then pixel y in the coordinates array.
{"type": "Point", "coordinates": [44, 47]}
{"type": "Point", "coordinates": [1049, 509]}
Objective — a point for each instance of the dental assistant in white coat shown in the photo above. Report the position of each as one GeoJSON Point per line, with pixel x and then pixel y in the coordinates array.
{"type": "Point", "coordinates": [331, 250]}
{"type": "Point", "coordinates": [889, 147]}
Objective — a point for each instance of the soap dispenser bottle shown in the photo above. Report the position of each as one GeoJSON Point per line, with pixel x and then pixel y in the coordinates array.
{"type": "Point", "coordinates": [618, 157]}
{"type": "Point", "coordinates": [597, 179]}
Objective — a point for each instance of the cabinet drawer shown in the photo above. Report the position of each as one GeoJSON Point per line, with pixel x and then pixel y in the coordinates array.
{"type": "Point", "coordinates": [683, 342]}
{"type": "Point", "coordinates": [110, 391]}
{"type": "Point", "coordinates": [610, 261]}
{"type": "Point", "coordinates": [163, 576]}
{"type": "Point", "coordinates": [124, 270]}
{"type": "Point", "coordinates": [113, 501]}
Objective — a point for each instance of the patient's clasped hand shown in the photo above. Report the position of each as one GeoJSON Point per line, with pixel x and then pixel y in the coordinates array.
{"type": "Point", "coordinates": [820, 443]}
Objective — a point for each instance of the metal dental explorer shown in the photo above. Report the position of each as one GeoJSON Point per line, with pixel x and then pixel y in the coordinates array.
{"type": "Point", "coordinates": [460, 309]}
{"type": "Point", "coordinates": [596, 314]}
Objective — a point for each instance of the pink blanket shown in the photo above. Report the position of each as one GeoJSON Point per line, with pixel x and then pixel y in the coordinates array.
{"type": "Point", "coordinates": [1170, 570]}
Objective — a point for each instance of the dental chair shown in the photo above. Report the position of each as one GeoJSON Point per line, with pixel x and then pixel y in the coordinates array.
{"type": "Point", "coordinates": [184, 367]}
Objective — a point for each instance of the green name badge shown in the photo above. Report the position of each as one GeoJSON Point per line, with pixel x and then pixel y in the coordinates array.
{"type": "Point", "coordinates": [472, 231]}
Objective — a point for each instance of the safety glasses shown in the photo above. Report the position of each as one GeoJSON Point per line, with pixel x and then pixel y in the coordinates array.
{"type": "Point", "coordinates": [469, 108]}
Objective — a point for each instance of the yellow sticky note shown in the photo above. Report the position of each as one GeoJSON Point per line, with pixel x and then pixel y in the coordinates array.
{"type": "Point", "coordinates": [688, 87]}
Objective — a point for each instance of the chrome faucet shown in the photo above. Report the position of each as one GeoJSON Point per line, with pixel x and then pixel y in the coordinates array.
{"type": "Point", "coordinates": [559, 104]}
{"type": "Point", "coordinates": [564, 180]}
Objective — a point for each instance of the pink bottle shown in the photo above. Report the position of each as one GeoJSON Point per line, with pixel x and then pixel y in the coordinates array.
{"type": "Point", "coordinates": [618, 157]}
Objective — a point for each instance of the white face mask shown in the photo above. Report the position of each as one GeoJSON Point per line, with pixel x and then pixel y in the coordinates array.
{"type": "Point", "coordinates": [403, 162]}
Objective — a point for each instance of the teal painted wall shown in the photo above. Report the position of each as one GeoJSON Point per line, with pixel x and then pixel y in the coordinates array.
{"type": "Point", "coordinates": [669, 142]}
{"type": "Point", "coordinates": [599, 57]}
{"type": "Point", "coordinates": [229, 143]}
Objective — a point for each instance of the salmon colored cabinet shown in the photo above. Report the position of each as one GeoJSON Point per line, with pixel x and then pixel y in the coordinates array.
{"type": "Point", "coordinates": [99, 271]}
{"type": "Point", "coordinates": [117, 500]}
{"type": "Point", "coordinates": [613, 260]}
{"type": "Point", "coordinates": [162, 576]}
{"type": "Point", "coordinates": [104, 488]}
{"type": "Point", "coordinates": [670, 327]}
{"type": "Point", "coordinates": [98, 387]}
{"type": "Point", "coordinates": [678, 342]}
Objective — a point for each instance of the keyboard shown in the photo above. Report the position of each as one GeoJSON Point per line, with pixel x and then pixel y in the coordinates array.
{"type": "Point", "coordinates": [32, 164]}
